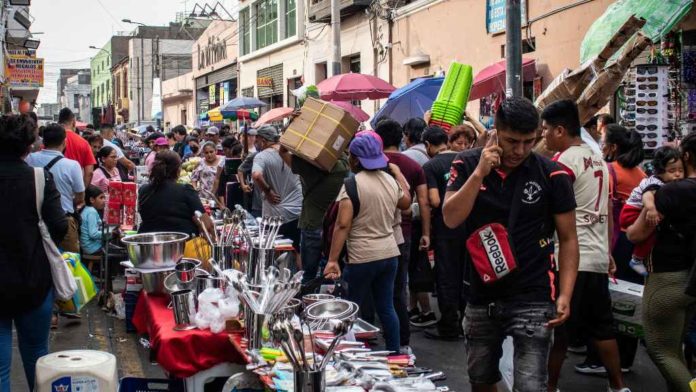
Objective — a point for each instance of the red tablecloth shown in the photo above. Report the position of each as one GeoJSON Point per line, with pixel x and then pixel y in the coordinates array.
{"type": "Point", "coordinates": [181, 353]}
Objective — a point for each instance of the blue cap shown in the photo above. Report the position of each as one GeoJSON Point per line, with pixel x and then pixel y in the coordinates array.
{"type": "Point", "coordinates": [367, 146]}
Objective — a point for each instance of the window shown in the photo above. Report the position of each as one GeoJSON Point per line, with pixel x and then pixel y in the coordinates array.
{"type": "Point", "coordinates": [266, 23]}
{"type": "Point", "coordinates": [76, 101]}
{"type": "Point", "coordinates": [245, 29]}
{"type": "Point", "coordinates": [248, 92]}
{"type": "Point", "coordinates": [290, 18]}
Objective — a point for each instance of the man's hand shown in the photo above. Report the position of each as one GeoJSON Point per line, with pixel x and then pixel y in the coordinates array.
{"type": "Point", "coordinates": [246, 188]}
{"type": "Point", "coordinates": [653, 217]}
{"type": "Point", "coordinates": [562, 312]}
{"type": "Point", "coordinates": [490, 156]}
{"type": "Point", "coordinates": [332, 270]}
{"type": "Point", "coordinates": [612, 266]}
{"type": "Point", "coordinates": [272, 197]}
{"type": "Point", "coordinates": [424, 243]}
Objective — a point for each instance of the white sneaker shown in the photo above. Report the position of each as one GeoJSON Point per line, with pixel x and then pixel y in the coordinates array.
{"type": "Point", "coordinates": [610, 389]}
{"type": "Point", "coordinates": [638, 266]}
{"type": "Point", "coordinates": [405, 350]}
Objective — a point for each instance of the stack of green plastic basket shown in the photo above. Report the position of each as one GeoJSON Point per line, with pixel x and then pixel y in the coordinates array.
{"type": "Point", "coordinates": [450, 104]}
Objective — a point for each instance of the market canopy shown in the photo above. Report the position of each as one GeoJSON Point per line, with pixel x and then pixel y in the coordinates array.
{"type": "Point", "coordinates": [354, 87]}
{"type": "Point", "coordinates": [492, 78]}
{"type": "Point", "coordinates": [243, 103]}
{"type": "Point", "coordinates": [660, 15]}
{"type": "Point", "coordinates": [357, 113]}
{"type": "Point", "coordinates": [273, 115]}
{"type": "Point", "coordinates": [409, 101]}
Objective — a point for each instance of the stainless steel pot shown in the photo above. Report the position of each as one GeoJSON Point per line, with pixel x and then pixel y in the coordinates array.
{"type": "Point", "coordinates": [155, 250]}
{"type": "Point", "coordinates": [153, 282]}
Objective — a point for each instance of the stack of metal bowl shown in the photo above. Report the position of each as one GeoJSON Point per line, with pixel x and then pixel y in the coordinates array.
{"type": "Point", "coordinates": [155, 255]}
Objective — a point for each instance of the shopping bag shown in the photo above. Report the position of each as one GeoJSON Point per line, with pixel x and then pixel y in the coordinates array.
{"type": "Point", "coordinates": [86, 289]}
{"type": "Point", "coordinates": [64, 284]}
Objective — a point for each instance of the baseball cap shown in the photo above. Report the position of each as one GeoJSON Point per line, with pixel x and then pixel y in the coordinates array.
{"type": "Point", "coordinates": [368, 148]}
{"type": "Point", "coordinates": [252, 132]}
{"type": "Point", "coordinates": [212, 131]}
{"type": "Point", "coordinates": [268, 132]}
{"type": "Point", "coordinates": [153, 136]}
{"type": "Point", "coordinates": [161, 141]}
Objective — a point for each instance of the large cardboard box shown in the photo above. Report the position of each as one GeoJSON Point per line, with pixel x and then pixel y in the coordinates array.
{"type": "Point", "coordinates": [320, 133]}
{"type": "Point", "coordinates": [626, 305]}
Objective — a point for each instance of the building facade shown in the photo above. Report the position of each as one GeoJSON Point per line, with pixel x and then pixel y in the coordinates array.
{"type": "Point", "coordinates": [271, 51]}
{"type": "Point", "coordinates": [177, 101]}
{"type": "Point", "coordinates": [103, 97]}
{"type": "Point", "coordinates": [214, 60]}
{"type": "Point", "coordinates": [77, 95]}
{"type": "Point", "coordinates": [120, 80]}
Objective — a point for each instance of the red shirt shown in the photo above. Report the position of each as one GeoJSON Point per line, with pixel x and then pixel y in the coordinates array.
{"type": "Point", "coordinates": [415, 176]}
{"type": "Point", "coordinates": [77, 149]}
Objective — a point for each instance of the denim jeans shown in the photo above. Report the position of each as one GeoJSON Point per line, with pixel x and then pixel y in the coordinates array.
{"type": "Point", "coordinates": [310, 250]}
{"type": "Point", "coordinates": [377, 278]}
{"type": "Point", "coordinates": [485, 328]}
{"type": "Point", "coordinates": [32, 335]}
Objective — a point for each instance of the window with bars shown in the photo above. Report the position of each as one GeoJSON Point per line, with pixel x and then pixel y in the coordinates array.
{"type": "Point", "coordinates": [290, 18]}
{"type": "Point", "coordinates": [245, 31]}
{"type": "Point", "coordinates": [266, 23]}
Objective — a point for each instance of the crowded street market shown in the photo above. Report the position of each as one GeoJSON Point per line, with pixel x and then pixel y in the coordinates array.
{"type": "Point", "coordinates": [242, 201]}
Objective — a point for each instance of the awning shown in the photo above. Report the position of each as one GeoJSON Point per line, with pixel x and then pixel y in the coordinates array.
{"type": "Point", "coordinates": [661, 16]}
{"type": "Point", "coordinates": [492, 78]}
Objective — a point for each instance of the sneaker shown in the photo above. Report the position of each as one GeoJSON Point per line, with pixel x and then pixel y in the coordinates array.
{"type": "Point", "coordinates": [638, 266]}
{"type": "Point", "coordinates": [424, 320]}
{"type": "Point", "coordinates": [405, 350]}
{"type": "Point", "coordinates": [610, 389]}
{"type": "Point", "coordinates": [413, 314]}
{"type": "Point", "coordinates": [577, 349]}
{"type": "Point", "coordinates": [586, 368]}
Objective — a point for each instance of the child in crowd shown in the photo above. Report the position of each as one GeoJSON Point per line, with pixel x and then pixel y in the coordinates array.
{"type": "Point", "coordinates": [91, 228]}
{"type": "Point", "coordinates": [668, 167]}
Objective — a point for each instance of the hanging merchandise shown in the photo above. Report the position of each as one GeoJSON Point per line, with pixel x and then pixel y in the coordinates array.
{"type": "Point", "coordinates": [647, 105]}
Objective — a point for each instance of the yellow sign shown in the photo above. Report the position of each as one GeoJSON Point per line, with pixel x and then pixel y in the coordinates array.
{"type": "Point", "coordinates": [24, 71]}
{"type": "Point", "coordinates": [264, 82]}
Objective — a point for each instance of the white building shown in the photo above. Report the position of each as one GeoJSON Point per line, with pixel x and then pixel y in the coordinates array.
{"type": "Point", "coordinates": [76, 95]}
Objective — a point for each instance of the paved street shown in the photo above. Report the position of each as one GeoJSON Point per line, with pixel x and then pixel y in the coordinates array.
{"type": "Point", "coordinates": [100, 332]}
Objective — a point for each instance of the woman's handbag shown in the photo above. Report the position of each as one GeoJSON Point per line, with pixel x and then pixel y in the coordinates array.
{"type": "Point", "coordinates": [64, 284]}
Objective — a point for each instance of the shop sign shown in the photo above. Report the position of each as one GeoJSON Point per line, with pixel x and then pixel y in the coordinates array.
{"type": "Point", "coordinates": [265, 81]}
{"type": "Point", "coordinates": [212, 96]}
{"type": "Point", "coordinates": [24, 71]}
{"type": "Point", "coordinates": [215, 51]}
{"type": "Point", "coordinates": [204, 105]}
{"type": "Point", "coordinates": [223, 96]}
{"type": "Point", "coordinates": [495, 15]}
{"type": "Point", "coordinates": [24, 53]}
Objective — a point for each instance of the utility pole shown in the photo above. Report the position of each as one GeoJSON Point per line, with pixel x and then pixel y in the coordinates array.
{"type": "Point", "coordinates": [513, 48]}
{"type": "Point", "coordinates": [336, 37]}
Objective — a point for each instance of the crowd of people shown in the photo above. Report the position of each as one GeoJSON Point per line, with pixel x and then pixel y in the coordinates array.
{"type": "Point", "coordinates": [524, 240]}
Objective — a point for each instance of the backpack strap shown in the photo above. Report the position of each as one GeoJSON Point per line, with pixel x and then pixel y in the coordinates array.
{"type": "Point", "coordinates": [53, 162]}
{"type": "Point", "coordinates": [352, 190]}
{"type": "Point", "coordinates": [106, 173]}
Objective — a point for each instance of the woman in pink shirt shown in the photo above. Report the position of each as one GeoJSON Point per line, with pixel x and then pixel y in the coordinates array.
{"type": "Point", "coordinates": [107, 170]}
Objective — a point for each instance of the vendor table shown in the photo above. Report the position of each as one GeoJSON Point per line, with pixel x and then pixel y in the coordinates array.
{"type": "Point", "coordinates": [182, 353]}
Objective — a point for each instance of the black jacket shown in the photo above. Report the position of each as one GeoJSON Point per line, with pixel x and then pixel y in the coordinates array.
{"type": "Point", "coordinates": [25, 275]}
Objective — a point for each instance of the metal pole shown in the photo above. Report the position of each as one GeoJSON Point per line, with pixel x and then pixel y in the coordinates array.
{"type": "Point", "coordinates": [141, 107]}
{"type": "Point", "coordinates": [336, 37]}
{"type": "Point", "coordinates": [513, 48]}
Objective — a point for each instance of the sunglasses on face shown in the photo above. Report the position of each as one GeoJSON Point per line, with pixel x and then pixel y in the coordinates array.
{"type": "Point", "coordinates": [648, 103]}
{"type": "Point", "coordinates": [647, 71]}
{"type": "Point", "coordinates": [650, 127]}
{"type": "Point", "coordinates": [647, 86]}
{"type": "Point", "coordinates": [647, 79]}
{"type": "Point", "coordinates": [649, 111]}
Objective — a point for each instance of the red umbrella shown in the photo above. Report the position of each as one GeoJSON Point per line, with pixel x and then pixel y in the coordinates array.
{"type": "Point", "coordinates": [273, 115]}
{"type": "Point", "coordinates": [353, 110]}
{"type": "Point", "coordinates": [492, 78]}
{"type": "Point", "coordinates": [80, 125]}
{"type": "Point", "coordinates": [354, 86]}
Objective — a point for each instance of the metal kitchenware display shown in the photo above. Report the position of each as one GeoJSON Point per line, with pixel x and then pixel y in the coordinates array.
{"type": "Point", "coordinates": [153, 282]}
{"type": "Point", "coordinates": [186, 270]}
{"type": "Point", "coordinates": [172, 284]}
{"type": "Point", "coordinates": [184, 307]}
{"type": "Point", "coordinates": [155, 250]}
{"type": "Point", "coordinates": [309, 299]}
{"type": "Point", "coordinates": [209, 282]}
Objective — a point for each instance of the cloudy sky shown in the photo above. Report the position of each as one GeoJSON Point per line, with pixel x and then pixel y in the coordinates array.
{"type": "Point", "coordinates": [70, 27]}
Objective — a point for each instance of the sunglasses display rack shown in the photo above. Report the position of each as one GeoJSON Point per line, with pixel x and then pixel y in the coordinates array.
{"type": "Point", "coordinates": [647, 108]}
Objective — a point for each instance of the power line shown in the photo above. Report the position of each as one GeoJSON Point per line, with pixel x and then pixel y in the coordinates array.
{"type": "Point", "coordinates": [110, 15]}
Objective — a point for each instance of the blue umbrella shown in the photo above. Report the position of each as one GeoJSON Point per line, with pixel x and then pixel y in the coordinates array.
{"type": "Point", "coordinates": [242, 103]}
{"type": "Point", "coordinates": [410, 101]}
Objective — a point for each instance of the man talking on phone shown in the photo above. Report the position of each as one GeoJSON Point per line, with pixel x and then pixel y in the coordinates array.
{"type": "Point", "coordinates": [513, 201]}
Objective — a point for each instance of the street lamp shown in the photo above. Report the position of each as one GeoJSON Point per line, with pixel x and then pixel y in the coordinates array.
{"type": "Point", "coordinates": [133, 22]}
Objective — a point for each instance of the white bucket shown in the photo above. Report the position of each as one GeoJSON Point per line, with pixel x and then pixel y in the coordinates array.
{"type": "Point", "coordinates": [77, 370]}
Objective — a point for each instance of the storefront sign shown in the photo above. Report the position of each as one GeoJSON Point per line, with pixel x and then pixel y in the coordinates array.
{"type": "Point", "coordinates": [24, 53]}
{"type": "Point", "coordinates": [215, 51]}
{"type": "Point", "coordinates": [212, 96]}
{"type": "Point", "coordinates": [264, 82]}
{"type": "Point", "coordinates": [24, 71]}
{"type": "Point", "coordinates": [495, 15]}
{"type": "Point", "coordinates": [204, 105]}
{"type": "Point", "coordinates": [223, 96]}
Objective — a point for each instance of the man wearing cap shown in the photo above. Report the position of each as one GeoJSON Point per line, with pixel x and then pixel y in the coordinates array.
{"type": "Point", "coordinates": [281, 189]}
{"type": "Point", "coordinates": [212, 134]}
{"type": "Point", "coordinates": [107, 133]}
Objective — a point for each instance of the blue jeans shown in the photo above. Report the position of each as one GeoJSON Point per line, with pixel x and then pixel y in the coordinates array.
{"type": "Point", "coordinates": [377, 278]}
{"type": "Point", "coordinates": [32, 335]}
{"type": "Point", "coordinates": [310, 250]}
{"type": "Point", "coordinates": [485, 328]}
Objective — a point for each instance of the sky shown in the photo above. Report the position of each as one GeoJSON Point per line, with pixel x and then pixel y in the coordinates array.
{"type": "Point", "coordinates": [70, 27]}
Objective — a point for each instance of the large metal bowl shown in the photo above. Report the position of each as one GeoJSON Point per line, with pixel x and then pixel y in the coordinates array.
{"type": "Point", "coordinates": [329, 309]}
{"type": "Point", "coordinates": [155, 250]}
{"type": "Point", "coordinates": [153, 282]}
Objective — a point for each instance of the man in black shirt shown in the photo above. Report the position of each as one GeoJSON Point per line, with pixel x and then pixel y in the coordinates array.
{"type": "Point", "coordinates": [447, 243]}
{"type": "Point", "coordinates": [513, 201]}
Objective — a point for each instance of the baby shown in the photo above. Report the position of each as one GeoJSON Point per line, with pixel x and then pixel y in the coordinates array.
{"type": "Point", "coordinates": [668, 167]}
